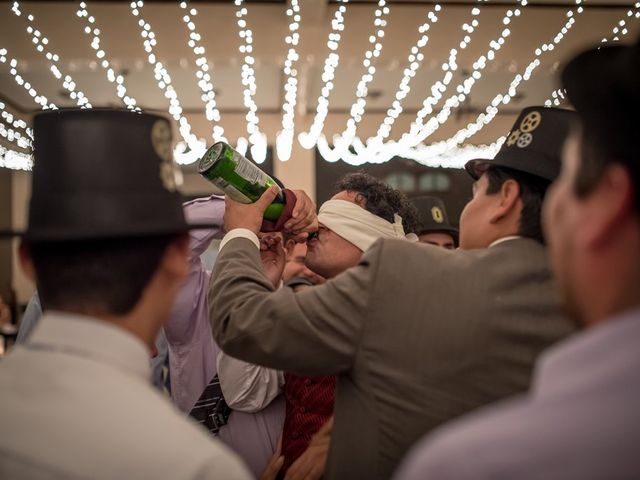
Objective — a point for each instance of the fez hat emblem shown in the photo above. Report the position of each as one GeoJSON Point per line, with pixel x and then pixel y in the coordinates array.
{"type": "Point", "coordinates": [522, 136]}
{"type": "Point", "coordinates": [437, 215]}
{"type": "Point", "coordinates": [161, 141]}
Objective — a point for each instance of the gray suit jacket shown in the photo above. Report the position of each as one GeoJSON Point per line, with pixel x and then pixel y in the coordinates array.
{"type": "Point", "coordinates": [417, 334]}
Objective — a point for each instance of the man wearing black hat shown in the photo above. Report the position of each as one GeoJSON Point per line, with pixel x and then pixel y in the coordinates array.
{"type": "Point", "coordinates": [580, 421]}
{"type": "Point", "coordinates": [107, 246]}
{"type": "Point", "coordinates": [417, 335]}
{"type": "Point", "coordinates": [435, 228]}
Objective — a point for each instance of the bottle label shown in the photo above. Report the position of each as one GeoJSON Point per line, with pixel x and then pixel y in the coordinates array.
{"type": "Point", "coordinates": [247, 171]}
{"type": "Point", "coordinates": [234, 194]}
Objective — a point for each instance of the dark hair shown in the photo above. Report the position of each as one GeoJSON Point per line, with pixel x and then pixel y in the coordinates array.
{"type": "Point", "coordinates": [380, 199]}
{"type": "Point", "coordinates": [104, 276]}
{"type": "Point", "coordinates": [532, 192]}
{"type": "Point", "coordinates": [602, 85]}
{"type": "Point", "coordinates": [596, 157]}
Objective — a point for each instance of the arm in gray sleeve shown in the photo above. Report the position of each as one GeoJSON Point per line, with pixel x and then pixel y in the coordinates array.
{"type": "Point", "coordinates": [312, 332]}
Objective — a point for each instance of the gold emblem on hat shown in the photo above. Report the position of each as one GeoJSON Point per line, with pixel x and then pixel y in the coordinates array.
{"type": "Point", "coordinates": [437, 215]}
{"type": "Point", "coordinates": [161, 139]}
{"type": "Point", "coordinates": [530, 122]}
{"type": "Point", "coordinates": [513, 137]}
{"type": "Point", "coordinates": [524, 140]}
{"type": "Point", "coordinates": [170, 174]}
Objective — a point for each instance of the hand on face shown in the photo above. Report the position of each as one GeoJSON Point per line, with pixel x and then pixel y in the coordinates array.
{"type": "Point", "coordinates": [273, 256]}
{"type": "Point", "coordinates": [303, 219]}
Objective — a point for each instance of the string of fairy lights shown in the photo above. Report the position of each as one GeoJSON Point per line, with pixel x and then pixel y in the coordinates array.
{"type": "Point", "coordinates": [309, 138]}
{"type": "Point", "coordinates": [11, 129]}
{"type": "Point", "coordinates": [414, 60]}
{"type": "Point", "coordinates": [203, 73]}
{"type": "Point", "coordinates": [257, 139]}
{"type": "Point", "coordinates": [618, 31]}
{"type": "Point", "coordinates": [346, 146]}
{"type": "Point", "coordinates": [429, 154]}
{"type": "Point", "coordinates": [94, 32]}
{"type": "Point", "coordinates": [17, 77]}
{"type": "Point", "coordinates": [358, 107]}
{"type": "Point", "coordinates": [374, 144]}
{"type": "Point", "coordinates": [164, 81]}
{"type": "Point", "coordinates": [284, 139]}
{"type": "Point", "coordinates": [373, 152]}
{"type": "Point", "coordinates": [41, 44]}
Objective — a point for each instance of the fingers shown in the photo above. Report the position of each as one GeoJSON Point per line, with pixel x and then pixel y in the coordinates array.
{"type": "Point", "coordinates": [302, 199]}
{"type": "Point", "coordinates": [327, 427]}
{"type": "Point", "coordinates": [315, 473]}
{"type": "Point", "coordinates": [300, 237]}
{"type": "Point", "coordinates": [304, 215]}
{"type": "Point", "coordinates": [268, 197]}
{"type": "Point", "coordinates": [274, 466]}
{"type": "Point", "coordinates": [305, 468]}
{"type": "Point", "coordinates": [270, 241]}
{"type": "Point", "coordinates": [298, 470]}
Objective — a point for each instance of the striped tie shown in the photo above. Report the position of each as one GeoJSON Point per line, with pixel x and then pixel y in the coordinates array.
{"type": "Point", "coordinates": [211, 411]}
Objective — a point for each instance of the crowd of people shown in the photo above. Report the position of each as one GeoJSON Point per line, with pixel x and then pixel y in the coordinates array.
{"type": "Point", "coordinates": [370, 339]}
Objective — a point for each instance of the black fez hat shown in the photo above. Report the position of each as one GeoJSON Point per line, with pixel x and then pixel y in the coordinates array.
{"type": "Point", "coordinates": [433, 217]}
{"type": "Point", "coordinates": [534, 144]}
{"type": "Point", "coordinates": [603, 84]}
{"type": "Point", "coordinates": [102, 174]}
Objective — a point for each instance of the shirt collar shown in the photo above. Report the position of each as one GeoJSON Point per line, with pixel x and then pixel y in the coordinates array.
{"type": "Point", "coordinates": [591, 354]}
{"type": "Point", "coordinates": [504, 239]}
{"type": "Point", "coordinates": [90, 337]}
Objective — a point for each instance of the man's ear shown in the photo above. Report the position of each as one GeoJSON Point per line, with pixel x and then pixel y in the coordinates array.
{"type": "Point", "coordinates": [508, 200]}
{"type": "Point", "coordinates": [607, 206]}
{"type": "Point", "coordinates": [26, 262]}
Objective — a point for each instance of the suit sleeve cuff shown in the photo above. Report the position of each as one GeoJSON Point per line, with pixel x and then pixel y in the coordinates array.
{"type": "Point", "coordinates": [240, 233]}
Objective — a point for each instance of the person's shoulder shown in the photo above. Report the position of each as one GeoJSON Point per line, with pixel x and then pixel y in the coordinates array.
{"type": "Point", "coordinates": [187, 440]}
{"type": "Point", "coordinates": [398, 252]}
{"type": "Point", "coordinates": [402, 247]}
{"type": "Point", "coordinates": [489, 441]}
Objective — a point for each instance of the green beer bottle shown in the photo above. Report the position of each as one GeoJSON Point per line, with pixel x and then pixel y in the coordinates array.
{"type": "Point", "coordinates": [239, 178]}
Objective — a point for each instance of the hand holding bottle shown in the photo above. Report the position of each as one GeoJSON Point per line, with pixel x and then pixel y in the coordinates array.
{"type": "Point", "coordinates": [250, 216]}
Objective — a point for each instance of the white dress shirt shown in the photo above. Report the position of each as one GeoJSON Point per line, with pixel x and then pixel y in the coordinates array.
{"type": "Point", "coordinates": [579, 422]}
{"type": "Point", "coordinates": [76, 402]}
{"type": "Point", "coordinates": [247, 387]}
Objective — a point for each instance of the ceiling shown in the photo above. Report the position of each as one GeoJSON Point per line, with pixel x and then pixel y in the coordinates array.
{"type": "Point", "coordinates": [216, 22]}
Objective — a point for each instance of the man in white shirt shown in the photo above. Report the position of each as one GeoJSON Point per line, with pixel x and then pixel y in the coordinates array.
{"type": "Point", "coordinates": [107, 246]}
{"type": "Point", "coordinates": [580, 421]}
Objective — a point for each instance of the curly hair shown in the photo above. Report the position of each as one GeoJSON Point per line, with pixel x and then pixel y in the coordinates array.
{"type": "Point", "coordinates": [380, 199]}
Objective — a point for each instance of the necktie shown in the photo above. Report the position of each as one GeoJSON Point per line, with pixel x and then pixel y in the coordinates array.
{"type": "Point", "coordinates": [211, 411]}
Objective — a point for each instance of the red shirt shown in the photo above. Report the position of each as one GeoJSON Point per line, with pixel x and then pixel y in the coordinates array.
{"type": "Point", "coordinates": [309, 405]}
